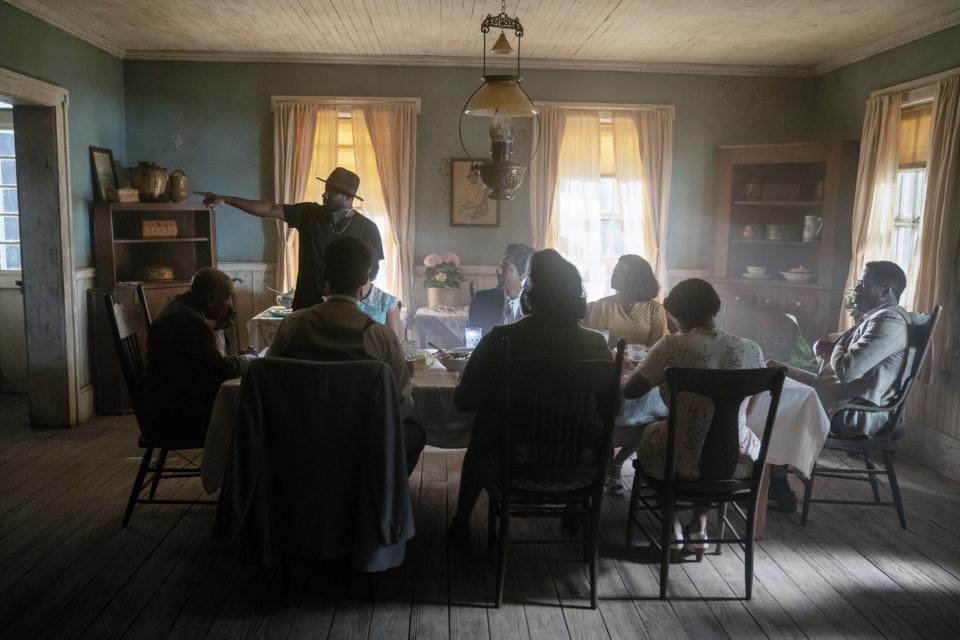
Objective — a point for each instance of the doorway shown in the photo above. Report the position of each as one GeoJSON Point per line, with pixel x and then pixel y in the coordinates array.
{"type": "Point", "coordinates": [43, 249]}
{"type": "Point", "coordinates": [13, 347]}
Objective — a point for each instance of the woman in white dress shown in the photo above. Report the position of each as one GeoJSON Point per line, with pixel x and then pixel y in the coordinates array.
{"type": "Point", "coordinates": [701, 345]}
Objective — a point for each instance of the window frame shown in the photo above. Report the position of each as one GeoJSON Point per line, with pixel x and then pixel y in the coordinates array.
{"type": "Point", "coordinates": [5, 214]}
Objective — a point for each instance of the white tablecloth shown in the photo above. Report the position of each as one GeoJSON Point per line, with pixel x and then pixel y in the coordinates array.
{"type": "Point", "coordinates": [442, 326]}
{"type": "Point", "coordinates": [800, 429]}
{"type": "Point", "coordinates": [261, 328]}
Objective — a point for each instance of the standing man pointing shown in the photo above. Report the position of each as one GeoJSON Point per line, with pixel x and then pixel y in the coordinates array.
{"type": "Point", "coordinates": [318, 225]}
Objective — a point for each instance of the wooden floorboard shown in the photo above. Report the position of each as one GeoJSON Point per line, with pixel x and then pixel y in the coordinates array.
{"type": "Point", "coordinates": [68, 570]}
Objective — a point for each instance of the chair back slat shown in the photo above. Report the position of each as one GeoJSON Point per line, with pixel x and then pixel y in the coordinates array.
{"type": "Point", "coordinates": [557, 417]}
{"type": "Point", "coordinates": [726, 389]}
{"type": "Point", "coordinates": [126, 321]}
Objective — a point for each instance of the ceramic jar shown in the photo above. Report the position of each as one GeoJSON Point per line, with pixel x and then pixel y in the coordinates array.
{"type": "Point", "coordinates": [178, 187]}
{"type": "Point", "coordinates": [150, 180]}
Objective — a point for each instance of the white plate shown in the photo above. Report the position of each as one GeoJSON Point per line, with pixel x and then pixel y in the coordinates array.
{"type": "Point", "coordinates": [756, 276]}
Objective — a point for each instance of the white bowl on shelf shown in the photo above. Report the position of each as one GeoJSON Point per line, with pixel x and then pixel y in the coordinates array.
{"type": "Point", "coordinates": [756, 271]}
{"type": "Point", "coordinates": [798, 277]}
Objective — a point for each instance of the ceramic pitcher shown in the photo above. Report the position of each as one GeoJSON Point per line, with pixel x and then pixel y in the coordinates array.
{"type": "Point", "coordinates": [811, 228]}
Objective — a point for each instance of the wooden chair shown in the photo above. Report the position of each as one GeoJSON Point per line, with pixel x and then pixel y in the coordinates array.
{"type": "Point", "coordinates": [727, 389]}
{"type": "Point", "coordinates": [886, 439]}
{"type": "Point", "coordinates": [125, 322]}
{"type": "Point", "coordinates": [554, 450]}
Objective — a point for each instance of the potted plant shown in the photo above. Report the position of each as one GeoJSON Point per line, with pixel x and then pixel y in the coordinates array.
{"type": "Point", "coordinates": [442, 279]}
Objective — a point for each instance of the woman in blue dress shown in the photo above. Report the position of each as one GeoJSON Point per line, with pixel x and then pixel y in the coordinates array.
{"type": "Point", "coordinates": [380, 305]}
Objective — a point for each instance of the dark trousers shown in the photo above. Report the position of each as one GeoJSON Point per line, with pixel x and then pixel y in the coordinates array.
{"type": "Point", "coordinates": [414, 439]}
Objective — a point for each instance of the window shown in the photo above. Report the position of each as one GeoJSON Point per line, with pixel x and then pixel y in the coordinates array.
{"type": "Point", "coordinates": [342, 140]}
{"type": "Point", "coordinates": [914, 151]}
{"type": "Point", "coordinates": [600, 195]}
{"type": "Point", "coordinates": [9, 214]}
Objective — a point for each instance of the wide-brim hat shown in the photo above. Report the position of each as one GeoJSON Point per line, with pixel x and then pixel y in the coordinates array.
{"type": "Point", "coordinates": [343, 180]}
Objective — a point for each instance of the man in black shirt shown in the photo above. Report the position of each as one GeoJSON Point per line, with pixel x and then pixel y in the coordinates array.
{"type": "Point", "coordinates": [318, 225]}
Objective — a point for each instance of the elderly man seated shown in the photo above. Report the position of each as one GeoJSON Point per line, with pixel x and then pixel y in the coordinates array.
{"type": "Point", "coordinates": [337, 330]}
{"type": "Point", "coordinates": [865, 365]}
{"type": "Point", "coordinates": [185, 366]}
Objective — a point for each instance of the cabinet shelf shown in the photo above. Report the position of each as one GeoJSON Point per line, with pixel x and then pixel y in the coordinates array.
{"type": "Point", "coordinates": [788, 243]}
{"type": "Point", "coordinates": [806, 204]}
{"type": "Point", "coordinates": [157, 240]}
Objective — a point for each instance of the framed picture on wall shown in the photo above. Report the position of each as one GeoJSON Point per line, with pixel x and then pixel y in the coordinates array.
{"type": "Point", "coordinates": [469, 204]}
{"type": "Point", "coordinates": [104, 173]}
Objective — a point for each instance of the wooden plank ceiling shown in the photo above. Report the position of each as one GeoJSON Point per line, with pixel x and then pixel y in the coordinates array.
{"type": "Point", "coordinates": [798, 36]}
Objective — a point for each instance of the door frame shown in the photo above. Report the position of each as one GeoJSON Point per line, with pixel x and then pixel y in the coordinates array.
{"type": "Point", "coordinates": [25, 90]}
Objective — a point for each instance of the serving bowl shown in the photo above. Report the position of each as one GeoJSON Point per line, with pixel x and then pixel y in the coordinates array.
{"type": "Point", "coordinates": [798, 277]}
{"type": "Point", "coordinates": [756, 271]}
{"type": "Point", "coordinates": [455, 359]}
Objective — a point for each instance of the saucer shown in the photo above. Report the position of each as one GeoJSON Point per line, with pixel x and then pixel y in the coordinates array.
{"type": "Point", "coordinates": [756, 276]}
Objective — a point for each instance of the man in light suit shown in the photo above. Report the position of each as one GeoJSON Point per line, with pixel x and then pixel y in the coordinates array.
{"type": "Point", "coordinates": [492, 307]}
{"type": "Point", "coordinates": [865, 365]}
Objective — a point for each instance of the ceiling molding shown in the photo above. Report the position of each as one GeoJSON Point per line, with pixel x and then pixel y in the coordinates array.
{"type": "Point", "coordinates": [50, 17]}
{"type": "Point", "coordinates": [901, 38]}
{"type": "Point", "coordinates": [463, 61]}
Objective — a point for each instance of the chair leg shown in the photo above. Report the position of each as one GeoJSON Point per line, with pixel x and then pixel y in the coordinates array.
{"type": "Point", "coordinates": [874, 485]}
{"type": "Point", "coordinates": [807, 495]}
{"type": "Point", "coordinates": [491, 525]}
{"type": "Point", "coordinates": [138, 485]}
{"type": "Point", "coordinates": [502, 543]}
{"type": "Point", "coordinates": [894, 487]}
{"type": "Point", "coordinates": [595, 506]}
{"type": "Point", "coordinates": [722, 525]}
{"type": "Point", "coordinates": [666, 533]}
{"type": "Point", "coordinates": [748, 551]}
{"type": "Point", "coordinates": [632, 511]}
{"type": "Point", "coordinates": [157, 471]}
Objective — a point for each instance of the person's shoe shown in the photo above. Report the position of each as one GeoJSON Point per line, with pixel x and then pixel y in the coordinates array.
{"type": "Point", "coordinates": [614, 487]}
{"type": "Point", "coordinates": [459, 532]}
{"type": "Point", "coordinates": [781, 497]}
{"type": "Point", "coordinates": [695, 546]}
{"type": "Point", "coordinates": [782, 501]}
{"type": "Point", "coordinates": [676, 547]}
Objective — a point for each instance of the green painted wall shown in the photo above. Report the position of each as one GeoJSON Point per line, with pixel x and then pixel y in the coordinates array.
{"type": "Point", "coordinates": [842, 94]}
{"type": "Point", "coordinates": [213, 120]}
{"type": "Point", "coordinates": [96, 111]}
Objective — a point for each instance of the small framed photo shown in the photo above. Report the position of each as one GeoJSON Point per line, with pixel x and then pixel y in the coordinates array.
{"type": "Point", "coordinates": [104, 173]}
{"type": "Point", "coordinates": [469, 204]}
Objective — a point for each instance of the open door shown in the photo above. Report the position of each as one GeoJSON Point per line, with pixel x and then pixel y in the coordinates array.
{"type": "Point", "coordinates": [48, 330]}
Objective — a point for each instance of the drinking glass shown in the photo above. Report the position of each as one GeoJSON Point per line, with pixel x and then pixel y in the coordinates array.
{"type": "Point", "coordinates": [636, 352]}
{"type": "Point", "coordinates": [471, 336]}
{"type": "Point", "coordinates": [409, 348]}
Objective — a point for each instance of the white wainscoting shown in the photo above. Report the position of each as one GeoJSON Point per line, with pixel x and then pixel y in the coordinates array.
{"type": "Point", "coordinates": [83, 279]}
{"type": "Point", "coordinates": [250, 282]}
{"type": "Point", "coordinates": [481, 275]}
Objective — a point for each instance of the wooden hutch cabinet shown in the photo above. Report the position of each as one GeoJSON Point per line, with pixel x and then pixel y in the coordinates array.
{"type": "Point", "coordinates": [123, 254]}
{"type": "Point", "coordinates": [124, 257]}
{"type": "Point", "coordinates": [764, 195]}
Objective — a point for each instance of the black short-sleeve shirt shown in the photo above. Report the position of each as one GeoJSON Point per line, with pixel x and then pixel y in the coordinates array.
{"type": "Point", "coordinates": [314, 221]}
